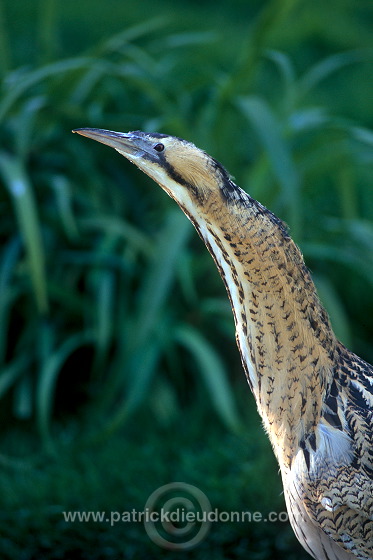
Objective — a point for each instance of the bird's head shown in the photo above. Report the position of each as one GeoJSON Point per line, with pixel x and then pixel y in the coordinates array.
{"type": "Point", "coordinates": [189, 175]}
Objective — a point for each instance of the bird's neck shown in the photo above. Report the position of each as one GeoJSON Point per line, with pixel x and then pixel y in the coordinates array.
{"type": "Point", "coordinates": [283, 332]}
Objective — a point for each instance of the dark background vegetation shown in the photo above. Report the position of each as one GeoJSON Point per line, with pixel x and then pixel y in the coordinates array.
{"type": "Point", "coordinates": [119, 371]}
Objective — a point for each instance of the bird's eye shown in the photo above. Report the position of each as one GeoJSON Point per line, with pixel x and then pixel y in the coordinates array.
{"type": "Point", "coordinates": [159, 147]}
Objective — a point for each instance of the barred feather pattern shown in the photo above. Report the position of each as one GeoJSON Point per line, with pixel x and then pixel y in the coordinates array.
{"type": "Point", "coordinates": [329, 488]}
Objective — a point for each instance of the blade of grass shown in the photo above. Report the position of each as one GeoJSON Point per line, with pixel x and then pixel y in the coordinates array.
{"type": "Point", "coordinates": [88, 81]}
{"type": "Point", "coordinates": [64, 205]}
{"type": "Point", "coordinates": [19, 83]}
{"type": "Point", "coordinates": [287, 73]}
{"type": "Point", "coordinates": [10, 374]}
{"type": "Point", "coordinates": [111, 225]}
{"type": "Point", "coordinates": [309, 118]}
{"type": "Point", "coordinates": [22, 195]}
{"type": "Point", "coordinates": [328, 66]}
{"type": "Point", "coordinates": [132, 33]}
{"type": "Point", "coordinates": [189, 38]}
{"type": "Point", "coordinates": [161, 273]}
{"type": "Point", "coordinates": [25, 127]}
{"type": "Point", "coordinates": [213, 374]}
{"type": "Point", "coordinates": [362, 135]}
{"type": "Point", "coordinates": [47, 381]}
{"type": "Point", "coordinates": [141, 370]}
{"type": "Point", "coordinates": [23, 398]}
{"type": "Point", "coordinates": [104, 313]}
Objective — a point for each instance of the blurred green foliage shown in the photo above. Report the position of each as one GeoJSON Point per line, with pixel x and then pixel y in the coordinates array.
{"type": "Point", "coordinates": [109, 304]}
{"type": "Point", "coordinates": [121, 473]}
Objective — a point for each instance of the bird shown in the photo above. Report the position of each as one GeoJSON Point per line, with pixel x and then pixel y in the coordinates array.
{"type": "Point", "coordinates": [315, 397]}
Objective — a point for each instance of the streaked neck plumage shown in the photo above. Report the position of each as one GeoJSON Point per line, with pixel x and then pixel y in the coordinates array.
{"type": "Point", "coordinates": [283, 333]}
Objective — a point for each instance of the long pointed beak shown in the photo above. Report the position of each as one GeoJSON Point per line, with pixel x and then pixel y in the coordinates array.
{"type": "Point", "coordinates": [127, 143]}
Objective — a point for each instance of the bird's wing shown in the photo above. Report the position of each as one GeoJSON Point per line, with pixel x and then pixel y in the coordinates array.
{"type": "Point", "coordinates": [337, 478]}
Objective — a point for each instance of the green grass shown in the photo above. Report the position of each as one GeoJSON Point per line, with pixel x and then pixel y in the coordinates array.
{"type": "Point", "coordinates": [111, 311]}
{"type": "Point", "coordinates": [105, 477]}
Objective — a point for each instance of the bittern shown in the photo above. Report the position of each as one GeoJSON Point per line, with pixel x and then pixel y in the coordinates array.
{"type": "Point", "coordinates": [315, 396]}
